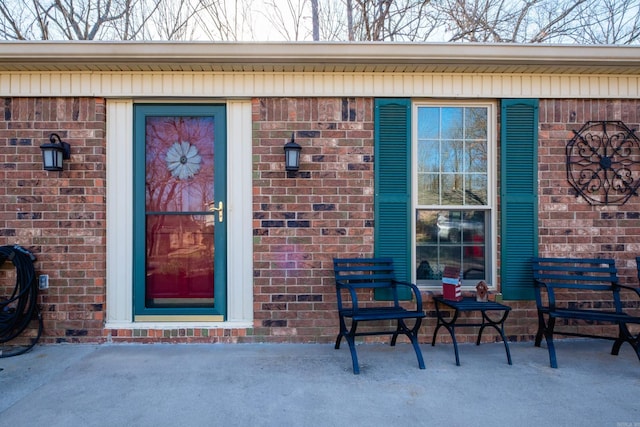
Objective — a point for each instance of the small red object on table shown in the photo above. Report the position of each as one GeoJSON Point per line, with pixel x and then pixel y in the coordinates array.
{"type": "Point", "coordinates": [451, 286]}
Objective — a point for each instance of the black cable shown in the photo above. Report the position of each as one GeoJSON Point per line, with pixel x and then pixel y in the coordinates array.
{"type": "Point", "coordinates": [17, 311]}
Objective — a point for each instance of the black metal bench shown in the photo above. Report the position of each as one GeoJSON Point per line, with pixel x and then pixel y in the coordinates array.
{"type": "Point", "coordinates": [357, 277]}
{"type": "Point", "coordinates": [561, 285]}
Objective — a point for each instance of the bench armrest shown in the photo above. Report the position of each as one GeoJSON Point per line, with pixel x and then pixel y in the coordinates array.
{"type": "Point", "coordinates": [352, 291]}
{"type": "Point", "coordinates": [551, 298]}
{"type": "Point", "coordinates": [340, 286]}
{"type": "Point", "coordinates": [415, 290]}
{"type": "Point", "coordinates": [630, 288]}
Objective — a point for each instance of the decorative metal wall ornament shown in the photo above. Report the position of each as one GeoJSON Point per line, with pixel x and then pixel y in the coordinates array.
{"type": "Point", "coordinates": [603, 162]}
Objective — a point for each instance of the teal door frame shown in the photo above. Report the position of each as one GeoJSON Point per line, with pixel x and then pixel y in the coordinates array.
{"type": "Point", "coordinates": [141, 113]}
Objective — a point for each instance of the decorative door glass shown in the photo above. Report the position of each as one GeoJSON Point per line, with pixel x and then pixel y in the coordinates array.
{"type": "Point", "coordinates": [182, 214]}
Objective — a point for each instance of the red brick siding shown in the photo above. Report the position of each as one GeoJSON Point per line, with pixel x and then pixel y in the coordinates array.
{"type": "Point", "coordinates": [59, 216]}
{"type": "Point", "coordinates": [304, 219]}
{"type": "Point", "coordinates": [301, 220]}
{"type": "Point", "coordinates": [569, 225]}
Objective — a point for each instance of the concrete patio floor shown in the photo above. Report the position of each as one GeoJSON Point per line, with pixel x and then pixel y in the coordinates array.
{"type": "Point", "coordinates": [313, 385]}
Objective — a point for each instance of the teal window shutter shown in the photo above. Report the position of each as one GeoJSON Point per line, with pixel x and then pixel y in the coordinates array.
{"type": "Point", "coordinates": [393, 187]}
{"type": "Point", "coordinates": [518, 196]}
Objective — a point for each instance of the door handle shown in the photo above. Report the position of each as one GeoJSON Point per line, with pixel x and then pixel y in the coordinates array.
{"type": "Point", "coordinates": [219, 209]}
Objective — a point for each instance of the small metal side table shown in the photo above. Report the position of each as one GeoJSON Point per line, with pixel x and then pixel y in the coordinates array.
{"type": "Point", "coordinates": [470, 304]}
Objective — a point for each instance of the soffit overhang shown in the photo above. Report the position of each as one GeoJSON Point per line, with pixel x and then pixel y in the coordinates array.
{"type": "Point", "coordinates": [304, 57]}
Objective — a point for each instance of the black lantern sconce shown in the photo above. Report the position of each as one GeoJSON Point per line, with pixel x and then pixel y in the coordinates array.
{"type": "Point", "coordinates": [54, 153]}
{"type": "Point", "coordinates": [292, 155]}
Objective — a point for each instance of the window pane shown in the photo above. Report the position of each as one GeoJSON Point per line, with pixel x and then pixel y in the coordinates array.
{"type": "Point", "coordinates": [452, 156]}
{"type": "Point", "coordinates": [427, 264]}
{"type": "Point", "coordinates": [476, 123]}
{"type": "Point", "coordinates": [476, 189]}
{"type": "Point", "coordinates": [179, 261]}
{"type": "Point", "coordinates": [428, 156]}
{"type": "Point", "coordinates": [179, 163]}
{"type": "Point", "coordinates": [472, 226]}
{"type": "Point", "coordinates": [457, 150]}
{"type": "Point", "coordinates": [428, 123]}
{"type": "Point", "coordinates": [428, 189]}
{"type": "Point", "coordinates": [475, 156]}
{"type": "Point", "coordinates": [426, 227]}
{"type": "Point", "coordinates": [452, 124]}
{"type": "Point", "coordinates": [457, 240]}
{"type": "Point", "coordinates": [450, 256]}
{"type": "Point", "coordinates": [452, 189]}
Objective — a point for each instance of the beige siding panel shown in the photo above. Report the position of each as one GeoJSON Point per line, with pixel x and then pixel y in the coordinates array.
{"type": "Point", "coordinates": [244, 84]}
{"type": "Point", "coordinates": [119, 211]}
{"type": "Point", "coordinates": [5, 83]}
{"type": "Point", "coordinates": [240, 215]}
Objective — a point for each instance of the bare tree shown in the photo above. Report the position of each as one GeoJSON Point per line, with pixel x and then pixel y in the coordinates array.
{"type": "Point", "coordinates": [289, 23]}
{"type": "Point", "coordinates": [391, 20]}
{"type": "Point", "coordinates": [25, 21]}
{"type": "Point", "coordinates": [350, 20]}
{"type": "Point", "coordinates": [488, 21]}
{"type": "Point", "coordinates": [230, 20]}
{"type": "Point", "coordinates": [85, 20]}
{"type": "Point", "coordinates": [172, 20]}
{"type": "Point", "coordinates": [503, 21]}
{"type": "Point", "coordinates": [74, 20]}
{"type": "Point", "coordinates": [609, 22]}
{"type": "Point", "coordinates": [315, 20]}
{"type": "Point", "coordinates": [332, 20]}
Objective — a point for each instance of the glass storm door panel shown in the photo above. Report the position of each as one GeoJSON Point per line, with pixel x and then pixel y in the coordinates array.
{"type": "Point", "coordinates": [179, 212]}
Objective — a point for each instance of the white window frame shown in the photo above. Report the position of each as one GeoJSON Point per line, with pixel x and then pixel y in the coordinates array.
{"type": "Point", "coordinates": [492, 168]}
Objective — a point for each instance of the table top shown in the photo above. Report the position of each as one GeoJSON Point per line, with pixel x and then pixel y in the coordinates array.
{"type": "Point", "coordinates": [470, 304]}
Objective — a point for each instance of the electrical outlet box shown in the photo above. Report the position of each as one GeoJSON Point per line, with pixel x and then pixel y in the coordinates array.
{"type": "Point", "coordinates": [43, 281]}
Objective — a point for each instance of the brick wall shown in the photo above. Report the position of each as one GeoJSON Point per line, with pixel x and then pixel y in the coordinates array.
{"type": "Point", "coordinates": [59, 216]}
{"type": "Point", "coordinates": [569, 225]}
{"type": "Point", "coordinates": [303, 219]}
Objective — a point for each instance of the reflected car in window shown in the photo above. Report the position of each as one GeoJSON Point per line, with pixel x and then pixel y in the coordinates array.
{"type": "Point", "coordinates": [454, 226]}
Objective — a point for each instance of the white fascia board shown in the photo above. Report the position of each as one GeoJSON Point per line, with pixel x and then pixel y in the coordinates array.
{"type": "Point", "coordinates": [314, 53]}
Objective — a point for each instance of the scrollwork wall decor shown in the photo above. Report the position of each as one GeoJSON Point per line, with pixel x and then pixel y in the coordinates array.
{"type": "Point", "coordinates": [603, 162]}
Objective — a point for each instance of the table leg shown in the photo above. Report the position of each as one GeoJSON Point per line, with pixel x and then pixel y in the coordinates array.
{"type": "Point", "coordinates": [449, 326]}
{"type": "Point", "coordinates": [487, 321]}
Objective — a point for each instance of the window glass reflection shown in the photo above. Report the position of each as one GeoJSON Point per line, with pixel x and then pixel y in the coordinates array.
{"type": "Point", "coordinates": [450, 238]}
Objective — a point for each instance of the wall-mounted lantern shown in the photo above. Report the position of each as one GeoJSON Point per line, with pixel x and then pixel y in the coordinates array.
{"type": "Point", "coordinates": [54, 152]}
{"type": "Point", "coordinates": [292, 155]}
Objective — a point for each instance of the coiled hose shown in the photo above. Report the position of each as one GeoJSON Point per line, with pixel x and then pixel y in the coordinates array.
{"type": "Point", "coordinates": [17, 311]}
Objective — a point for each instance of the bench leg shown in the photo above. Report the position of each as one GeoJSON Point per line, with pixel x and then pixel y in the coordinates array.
{"type": "Point", "coordinates": [354, 355]}
{"type": "Point", "coordinates": [541, 329]}
{"type": "Point", "coordinates": [625, 336]}
{"type": "Point", "coordinates": [412, 334]}
{"type": "Point", "coordinates": [548, 335]}
{"type": "Point", "coordinates": [416, 345]}
{"type": "Point", "coordinates": [343, 332]}
{"type": "Point", "coordinates": [546, 329]}
{"type": "Point", "coordinates": [350, 337]}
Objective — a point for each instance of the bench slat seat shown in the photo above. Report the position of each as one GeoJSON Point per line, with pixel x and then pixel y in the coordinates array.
{"type": "Point", "coordinates": [384, 313]}
{"type": "Point", "coordinates": [595, 315]}
{"type": "Point", "coordinates": [580, 277]}
{"type": "Point", "coordinates": [354, 276]}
